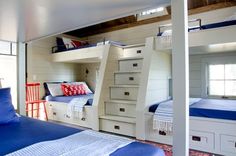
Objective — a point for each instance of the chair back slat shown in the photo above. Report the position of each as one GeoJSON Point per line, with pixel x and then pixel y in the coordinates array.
{"type": "Point", "coordinates": [32, 91]}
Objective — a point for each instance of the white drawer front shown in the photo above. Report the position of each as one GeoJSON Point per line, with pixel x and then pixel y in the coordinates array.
{"type": "Point", "coordinates": [134, 52]}
{"type": "Point", "coordinates": [123, 93]}
{"type": "Point", "coordinates": [130, 65]}
{"type": "Point", "coordinates": [128, 110]}
{"type": "Point", "coordinates": [117, 127]}
{"type": "Point", "coordinates": [228, 144]}
{"type": "Point", "coordinates": [127, 78]}
{"type": "Point", "coordinates": [201, 140]}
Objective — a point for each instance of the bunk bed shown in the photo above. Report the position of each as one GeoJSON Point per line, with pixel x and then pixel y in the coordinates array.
{"type": "Point", "coordinates": [60, 107]}
{"type": "Point", "coordinates": [212, 122]}
{"type": "Point", "coordinates": [199, 35]}
{"type": "Point", "coordinates": [80, 51]}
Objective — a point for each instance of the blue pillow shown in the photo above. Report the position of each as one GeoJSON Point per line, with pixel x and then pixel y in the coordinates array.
{"type": "Point", "coordinates": [7, 111]}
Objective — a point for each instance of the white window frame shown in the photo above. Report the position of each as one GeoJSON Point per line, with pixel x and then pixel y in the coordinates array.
{"type": "Point", "coordinates": [223, 58]}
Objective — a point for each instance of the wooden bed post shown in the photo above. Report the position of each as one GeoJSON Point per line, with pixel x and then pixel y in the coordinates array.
{"type": "Point", "coordinates": [21, 78]}
{"type": "Point", "coordinates": [180, 58]}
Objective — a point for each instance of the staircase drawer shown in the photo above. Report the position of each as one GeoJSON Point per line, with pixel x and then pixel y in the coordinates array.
{"type": "Point", "coordinates": [127, 78]}
{"type": "Point", "coordinates": [117, 127]}
{"type": "Point", "coordinates": [228, 144]}
{"type": "Point", "coordinates": [123, 93]}
{"type": "Point", "coordinates": [128, 110]}
{"type": "Point", "coordinates": [201, 140]}
{"type": "Point", "coordinates": [134, 52]}
{"type": "Point", "coordinates": [130, 65]}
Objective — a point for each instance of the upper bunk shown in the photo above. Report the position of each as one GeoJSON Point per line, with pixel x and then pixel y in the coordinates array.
{"type": "Point", "coordinates": [210, 38]}
{"type": "Point", "coordinates": [75, 51]}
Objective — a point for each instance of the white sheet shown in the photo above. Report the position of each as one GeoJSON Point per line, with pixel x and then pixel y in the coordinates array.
{"type": "Point", "coordinates": [85, 143]}
{"type": "Point", "coordinates": [163, 117]}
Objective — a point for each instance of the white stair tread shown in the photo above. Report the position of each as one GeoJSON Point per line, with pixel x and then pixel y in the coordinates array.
{"type": "Point", "coordinates": [118, 118]}
{"type": "Point", "coordinates": [124, 86]}
{"type": "Point", "coordinates": [122, 102]}
{"type": "Point", "coordinates": [127, 72]}
{"type": "Point", "coordinates": [133, 46]}
{"type": "Point", "coordinates": [130, 58]}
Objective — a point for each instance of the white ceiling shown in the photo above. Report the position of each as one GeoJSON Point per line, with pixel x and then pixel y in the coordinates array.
{"type": "Point", "coordinates": [26, 20]}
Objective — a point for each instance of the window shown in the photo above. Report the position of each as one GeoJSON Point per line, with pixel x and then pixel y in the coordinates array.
{"type": "Point", "coordinates": [8, 68]}
{"type": "Point", "coordinates": [161, 11]}
{"type": "Point", "coordinates": [222, 80]}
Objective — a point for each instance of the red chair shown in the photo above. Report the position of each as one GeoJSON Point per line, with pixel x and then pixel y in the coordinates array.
{"type": "Point", "coordinates": [33, 99]}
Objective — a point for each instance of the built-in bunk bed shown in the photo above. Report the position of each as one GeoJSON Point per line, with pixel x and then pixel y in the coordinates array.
{"type": "Point", "coordinates": [78, 108]}
{"type": "Point", "coordinates": [212, 121]}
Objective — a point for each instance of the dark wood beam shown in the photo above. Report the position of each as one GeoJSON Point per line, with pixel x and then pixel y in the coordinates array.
{"type": "Point", "coordinates": [131, 21]}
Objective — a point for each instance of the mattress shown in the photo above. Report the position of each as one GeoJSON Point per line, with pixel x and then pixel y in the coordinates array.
{"type": "Point", "coordinates": [67, 99]}
{"type": "Point", "coordinates": [29, 131]}
{"type": "Point", "coordinates": [210, 108]}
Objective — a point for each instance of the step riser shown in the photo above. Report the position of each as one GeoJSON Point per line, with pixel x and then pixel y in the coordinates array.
{"type": "Point", "coordinates": [123, 93]}
{"type": "Point", "coordinates": [120, 109]}
{"type": "Point", "coordinates": [130, 65]}
{"type": "Point", "coordinates": [127, 79]}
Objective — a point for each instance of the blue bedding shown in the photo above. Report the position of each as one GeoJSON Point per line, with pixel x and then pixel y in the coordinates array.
{"type": "Point", "coordinates": [210, 108]}
{"type": "Point", "coordinates": [67, 99]}
{"type": "Point", "coordinates": [29, 131]}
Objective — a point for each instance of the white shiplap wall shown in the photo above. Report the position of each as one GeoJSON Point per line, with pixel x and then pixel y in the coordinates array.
{"type": "Point", "coordinates": [41, 69]}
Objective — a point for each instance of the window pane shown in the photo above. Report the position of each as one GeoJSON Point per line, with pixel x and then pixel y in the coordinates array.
{"type": "Point", "coordinates": [230, 71]}
{"type": "Point", "coordinates": [216, 88]}
{"type": "Point", "coordinates": [230, 88]}
{"type": "Point", "coordinates": [14, 49]}
{"type": "Point", "coordinates": [216, 72]}
{"type": "Point", "coordinates": [5, 47]}
{"type": "Point", "coordinates": [9, 75]}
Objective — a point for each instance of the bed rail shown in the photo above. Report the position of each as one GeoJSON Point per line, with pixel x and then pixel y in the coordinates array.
{"type": "Point", "coordinates": [190, 21]}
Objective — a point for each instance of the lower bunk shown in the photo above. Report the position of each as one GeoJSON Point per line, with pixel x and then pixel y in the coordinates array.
{"type": "Point", "coordinates": [212, 127]}
{"type": "Point", "coordinates": [28, 135]}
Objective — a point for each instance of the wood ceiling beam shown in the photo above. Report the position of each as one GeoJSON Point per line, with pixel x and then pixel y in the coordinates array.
{"type": "Point", "coordinates": [131, 21]}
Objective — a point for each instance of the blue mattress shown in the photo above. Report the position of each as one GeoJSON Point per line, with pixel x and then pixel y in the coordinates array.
{"type": "Point", "coordinates": [67, 99]}
{"type": "Point", "coordinates": [29, 131]}
{"type": "Point", "coordinates": [210, 108]}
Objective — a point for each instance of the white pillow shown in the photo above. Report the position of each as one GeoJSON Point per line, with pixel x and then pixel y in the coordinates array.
{"type": "Point", "coordinates": [88, 91]}
{"type": "Point", "coordinates": [55, 89]}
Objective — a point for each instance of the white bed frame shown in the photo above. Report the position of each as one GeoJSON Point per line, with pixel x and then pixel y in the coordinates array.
{"type": "Point", "coordinates": [210, 135]}
{"type": "Point", "coordinates": [206, 134]}
{"type": "Point", "coordinates": [57, 111]}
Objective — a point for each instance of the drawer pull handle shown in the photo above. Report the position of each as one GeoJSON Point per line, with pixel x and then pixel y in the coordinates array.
{"type": "Point", "coordinates": [139, 51]}
{"type": "Point", "coordinates": [67, 116]}
{"type": "Point", "coordinates": [131, 78]}
{"type": "Point", "coordinates": [135, 64]}
{"type": "Point", "coordinates": [126, 93]}
{"type": "Point", "coordinates": [122, 109]}
{"type": "Point", "coordinates": [196, 138]}
{"type": "Point", "coordinates": [162, 133]}
{"type": "Point", "coordinates": [83, 119]}
{"type": "Point", "coordinates": [54, 113]}
{"type": "Point", "coordinates": [116, 127]}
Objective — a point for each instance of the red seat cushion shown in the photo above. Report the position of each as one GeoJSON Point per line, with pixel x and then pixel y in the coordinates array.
{"type": "Point", "coordinates": [71, 90]}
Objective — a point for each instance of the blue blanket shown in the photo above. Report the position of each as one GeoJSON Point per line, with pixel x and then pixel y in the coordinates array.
{"type": "Point", "coordinates": [210, 108]}
{"type": "Point", "coordinates": [29, 131]}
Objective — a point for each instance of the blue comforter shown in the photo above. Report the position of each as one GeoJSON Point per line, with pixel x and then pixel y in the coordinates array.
{"type": "Point", "coordinates": [29, 131]}
{"type": "Point", "coordinates": [210, 108]}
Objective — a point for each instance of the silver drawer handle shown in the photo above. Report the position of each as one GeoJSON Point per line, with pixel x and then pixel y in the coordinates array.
{"type": "Point", "coordinates": [135, 64]}
{"type": "Point", "coordinates": [116, 127]}
{"type": "Point", "coordinates": [196, 138]}
{"type": "Point", "coordinates": [126, 93]}
{"type": "Point", "coordinates": [139, 51]}
{"type": "Point", "coordinates": [131, 78]}
{"type": "Point", "coordinates": [122, 109]}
